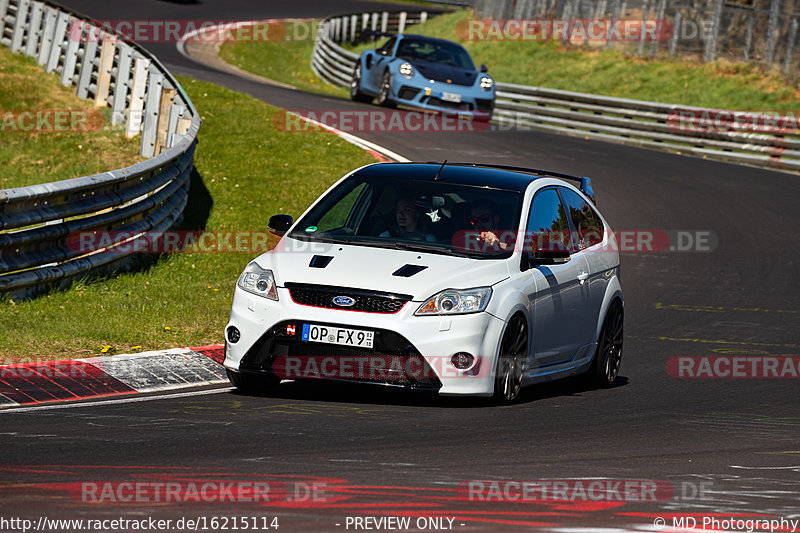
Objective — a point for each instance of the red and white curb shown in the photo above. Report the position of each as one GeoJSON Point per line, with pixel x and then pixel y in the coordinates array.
{"type": "Point", "coordinates": [95, 377]}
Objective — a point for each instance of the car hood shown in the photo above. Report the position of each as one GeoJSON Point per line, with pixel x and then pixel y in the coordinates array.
{"type": "Point", "coordinates": [373, 268]}
{"type": "Point", "coordinates": [443, 73]}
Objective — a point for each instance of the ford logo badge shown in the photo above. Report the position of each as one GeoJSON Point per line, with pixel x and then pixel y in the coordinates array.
{"type": "Point", "coordinates": [343, 301]}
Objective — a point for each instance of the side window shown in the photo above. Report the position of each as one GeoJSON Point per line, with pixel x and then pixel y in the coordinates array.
{"type": "Point", "coordinates": [585, 221]}
{"type": "Point", "coordinates": [547, 221]}
{"type": "Point", "coordinates": [342, 216]}
{"type": "Point", "coordinates": [387, 48]}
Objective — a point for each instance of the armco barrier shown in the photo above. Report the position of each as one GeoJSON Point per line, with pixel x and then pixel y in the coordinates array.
{"type": "Point", "coordinates": [714, 134]}
{"type": "Point", "coordinates": [35, 221]}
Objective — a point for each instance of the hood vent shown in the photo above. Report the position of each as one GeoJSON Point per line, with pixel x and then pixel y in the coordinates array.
{"type": "Point", "coordinates": [320, 261]}
{"type": "Point", "coordinates": [406, 271]}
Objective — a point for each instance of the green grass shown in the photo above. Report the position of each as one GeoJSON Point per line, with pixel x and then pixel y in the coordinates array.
{"type": "Point", "coordinates": [250, 170]}
{"type": "Point", "coordinates": [29, 157]}
{"type": "Point", "coordinates": [550, 64]}
{"type": "Point", "coordinates": [612, 72]}
{"type": "Point", "coordinates": [287, 61]}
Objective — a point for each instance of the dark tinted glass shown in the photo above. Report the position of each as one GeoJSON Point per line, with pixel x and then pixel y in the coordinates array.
{"type": "Point", "coordinates": [587, 224]}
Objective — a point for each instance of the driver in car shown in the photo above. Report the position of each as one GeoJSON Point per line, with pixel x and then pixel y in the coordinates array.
{"type": "Point", "coordinates": [410, 222]}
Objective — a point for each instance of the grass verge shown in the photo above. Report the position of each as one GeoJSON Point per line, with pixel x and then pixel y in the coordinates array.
{"type": "Point", "coordinates": [49, 134]}
{"type": "Point", "coordinates": [550, 64]}
{"type": "Point", "coordinates": [246, 170]}
{"type": "Point", "coordinates": [287, 61]}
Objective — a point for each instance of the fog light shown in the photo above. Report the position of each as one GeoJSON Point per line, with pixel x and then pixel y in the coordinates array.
{"type": "Point", "coordinates": [233, 335]}
{"type": "Point", "coordinates": [462, 360]}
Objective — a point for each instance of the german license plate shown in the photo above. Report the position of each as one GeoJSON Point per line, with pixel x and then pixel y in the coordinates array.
{"type": "Point", "coordinates": [451, 97]}
{"type": "Point", "coordinates": [332, 335]}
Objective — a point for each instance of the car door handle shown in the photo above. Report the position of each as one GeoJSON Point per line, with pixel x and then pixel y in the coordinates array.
{"type": "Point", "coordinates": [583, 276]}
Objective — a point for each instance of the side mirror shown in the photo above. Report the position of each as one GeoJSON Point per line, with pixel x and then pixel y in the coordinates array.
{"type": "Point", "coordinates": [484, 68]}
{"type": "Point", "coordinates": [548, 253]}
{"type": "Point", "coordinates": [279, 224]}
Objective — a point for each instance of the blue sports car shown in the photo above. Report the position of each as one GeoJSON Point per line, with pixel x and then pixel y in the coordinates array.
{"type": "Point", "coordinates": [423, 72]}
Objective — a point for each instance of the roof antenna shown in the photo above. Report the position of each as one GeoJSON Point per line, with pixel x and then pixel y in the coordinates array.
{"type": "Point", "coordinates": [436, 177]}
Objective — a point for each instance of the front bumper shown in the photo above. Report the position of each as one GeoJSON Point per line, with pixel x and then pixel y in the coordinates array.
{"type": "Point", "coordinates": [409, 351]}
{"type": "Point", "coordinates": [425, 94]}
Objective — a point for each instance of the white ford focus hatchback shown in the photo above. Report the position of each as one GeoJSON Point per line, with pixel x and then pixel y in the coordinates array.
{"type": "Point", "coordinates": [462, 279]}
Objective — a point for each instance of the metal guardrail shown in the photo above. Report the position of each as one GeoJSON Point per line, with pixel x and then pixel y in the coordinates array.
{"type": "Point", "coordinates": [715, 134]}
{"type": "Point", "coordinates": [333, 63]}
{"type": "Point", "coordinates": [38, 222]}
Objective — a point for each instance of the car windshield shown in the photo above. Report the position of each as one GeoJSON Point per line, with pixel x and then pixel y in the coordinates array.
{"type": "Point", "coordinates": [436, 52]}
{"type": "Point", "coordinates": [406, 214]}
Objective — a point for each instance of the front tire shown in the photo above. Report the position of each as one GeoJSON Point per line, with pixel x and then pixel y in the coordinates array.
{"type": "Point", "coordinates": [512, 361]}
{"type": "Point", "coordinates": [251, 383]}
{"type": "Point", "coordinates": [607, 360]}
{"type": "Point", "coordinates": [385, 92]}
{"type": "Point", "coordinates": [355, 87]}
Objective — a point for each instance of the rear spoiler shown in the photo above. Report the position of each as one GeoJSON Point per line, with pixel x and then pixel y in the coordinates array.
{"type": "Point", "coordinates": [584, 183]}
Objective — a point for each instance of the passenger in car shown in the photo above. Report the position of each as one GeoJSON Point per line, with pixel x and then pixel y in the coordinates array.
{"type": "Point", "coordinates": [484, 220]}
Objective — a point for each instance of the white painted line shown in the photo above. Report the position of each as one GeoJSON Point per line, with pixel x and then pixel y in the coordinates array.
{"type": "Point", "coordinates": [130, 399]}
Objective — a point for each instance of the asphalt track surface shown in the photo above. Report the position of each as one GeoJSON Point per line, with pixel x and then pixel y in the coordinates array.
{"type": "Point", "coordinates": [378, 453]}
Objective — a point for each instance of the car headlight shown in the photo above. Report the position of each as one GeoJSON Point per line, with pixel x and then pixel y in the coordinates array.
{"type": "Point", "coordinates": [486, 83]}
{"type": "Point", "coordinates": [456, 302]}
{"type": "Point", "coordinates": [407, 70]}
{"type": "Point", "coordinates": [258, 281]}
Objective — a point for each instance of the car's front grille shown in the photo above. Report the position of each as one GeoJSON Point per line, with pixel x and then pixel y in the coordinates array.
{"type": "Point", "coordinates": [392, 359]}
{"type": "Point", "coordinates": [461, 106]}
{"type": "Point", "coordinates": [366, 301]}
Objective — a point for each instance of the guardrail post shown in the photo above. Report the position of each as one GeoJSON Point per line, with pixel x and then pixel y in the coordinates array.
{"type": "Point", "coordinates": [711, 43]}
{"type": "Point", "coordinates": [50, 16]}
{"type": "Point", "coordinates": [643, 29]}
{"type": "Point", "coordinates": [384, 21]}
{"type": "Point", "coordinates": [614, 17]}
{"type": "Point", "coordinates": [167, 98]}
{"type": "Point", "coordinates": [353, 28]}
{"type": "Point", "coordinates": [59, 34]}
{"type": "Point", "coordinates": [787, 62]}
{"type": "Point", "coordinates": [20, 23]}
{"type": "Point", "coordinates": [104, 70]}
{"type": "Point", "coordinates": [772, 32]}
{"type": "Point", "coordinates": [748, 39]}
{"type": "Point", "coordinates": [674, 40]}
{"type": "Point", "coordinates": [71, 54]}
{"type": "Point", "coordinates": [423, 17]}
{"type": "Point", "coordinates": [175, 113]}
{"type": "Point", "coordinates": [662, 8]}
{"type": "Point", "coordinates": [121, 84]}
{"type": "Point", "coordinates": [374, 24]}
{"type": "Point", "coordinates": [3, 13]}
{"type": "Point", "coordinates": [150, 119]}
{"type": "Point", "coordinates": [87, 63]}
{"type": "Point", "coordinates": [140, 70]}
{"type": "Point", "coordinates": [401, 24]}
{"type": "Point", "coordinates": [35, 29]}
